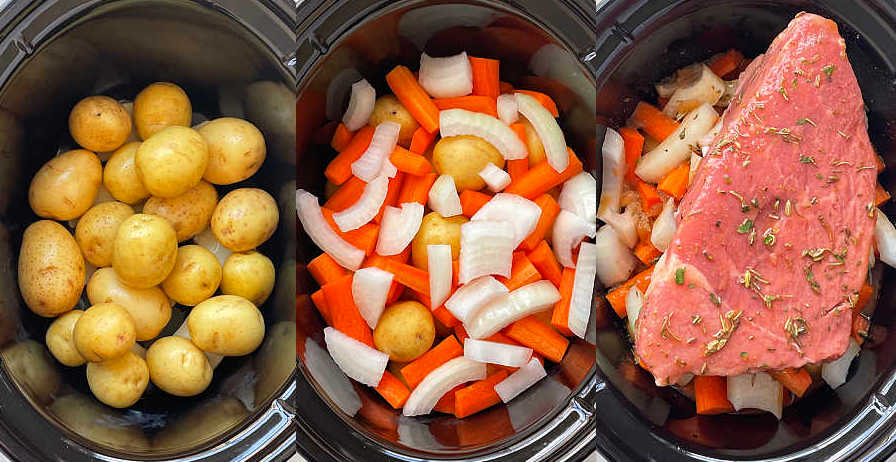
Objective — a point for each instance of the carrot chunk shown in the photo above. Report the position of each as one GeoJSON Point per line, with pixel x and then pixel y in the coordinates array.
{"type": "Point", "coordinates": [549, 211]}
{"type": "Point", "coordinates": [409, 162]}
{"type": "Point", "coordinates": [546, 263]}
{"type": "Point", "coordinates": [675, 183]}
{"type": "Point", "coordinates": [341, 137]}
{"type": "Point", "coordinates": [653, 121]}
{"type": "Point", "coordinates": [616, 297]}
{"type": "Point", "coordinates": [325, 270]}
{"type": "Point", "coordinates": [540, 178]}
{"type": "Point", "coordinates": [538, 336]}
{"type": "Point", "coordinates": [392, 390]}
{"type": "Point", "coordinates": [416, 188]}
{"type": "Point", "coordinates": [413, 97]}
{"type": "Point", "coordinates": [725, 63]}
{"type": "Point", "coordinates": [646, 252]}
{"type": "Point", "coordinates": [421, 140]}
{"type": "Point", "coordinates": [343, 311]}
{"type": "Point", "coordinates": [522, 272]}
{"type": "Point", "coordinates": [795, 380]}
{"type": "Point", "coordinates": [478, 396]}
{"type": "Point", "coordinates": [473, 103]}
{"type": "Point", "coordinates": [339, 170]}
{"type": "Point", "coordinates": [346, 195]}
{"type": "Point", "coordinates": [711, 393]}
{"type": "Point", "coordinates": [560, 316]}
{"type": "Point", "coordinates": [363, 238]}
{"type": "Point", "coordinates": [485, 77]}
{"type": "Point", "coordinates": [471, 201]}
{"type": "Point", "coordinates": [633, 143]}
{"type": "Point", "coordinates": [415, 371]}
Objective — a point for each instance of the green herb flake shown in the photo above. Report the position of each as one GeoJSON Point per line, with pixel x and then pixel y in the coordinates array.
{"type": "Point", "coordinates": [806, 120]}
{"type": "Point", "coordinates": [807, 160]}
{"type": "Point", "coordinates": [681, 134]}
{"type": "Point", "coordinates": [810, 278]}
{"type": "Point", "coordinates": [768, 238]}
{"type": "Point", "coordinates": [745, 227]}
{"type": "Point", "coordinates": [679, 276]}
{"type": "Point", "coordinates": [743, 354]}
{"type": "Point", "coordinates": [828, 70]}
{"type": "Point", "coordinates": [715, 299]}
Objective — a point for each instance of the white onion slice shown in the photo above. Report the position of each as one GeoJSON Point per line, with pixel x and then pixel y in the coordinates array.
{"type": "Point", "coordinates": [443, 197]}
{"type": "Point", "coordinates": [512, 208]}
{"type": "Point", "coordinates": [834, 372]}
{"type": "Point", "coordinates": [208, 240]}
{"type": "Point", "coordinates": [357, 360]}
{"type": "Point", "coordinates": [579, 196]}
{"type": "Point", "coordinates": [664, 227]}
{"type": "Point", "coordinates": [370, 164]}
{"type": "Point", "coordinates": [676, 148]}
{"type": "Point", "coordinates": [569, 231]}
{"type": "Point", "coordinates": [446, 77]}
{"type": "Point", "coordinates": [496, 353]}
{"type": "Point", "coordinates": [360, 105]}
{"type": "Point", "coordinates": [440, 268]}
{"type": "Point", "coordinates": [370, 289]}
{"type": "Point", "coordinates": [504, 311]}
{"type": "Point", "coordinates": [633, 303]}
{"type": "Point", "coordinates": [319, 230]}
{"type": "Point", "coordinates": [756, 391]}
{"type": "Point", "coordinates": [624, 224]}
{"type": "Point", "coordinates": [486, 247]}
{"type": "Point", "coordinates": [427, 393]}
{"type": "Point", "coordinates": [582, 289]}
{"type": "Point", "coordinates": [495, 178]}
{"type": "Point", "coordinates": [360, 213]}
{"type": "Point", "coordinates": [548, 131]}
{"type": "Point", "coordinates": [454, 122]}
{"type": "Point", "coordinates": [520, 380]}
{"type": "Point", "coordinates": [325, 371]}
{"type": "Point", "coordinates": [702, 87]}
{"type": "Point", "coordinates": [467, 300]}
{"type": "Point", "coordinates": [613, 172]}
{"type": "Point", "coordinates": [885, 236]}
{"type": "Point", "coordinates": [615, 262]}
{"type": "Point", "coordinates": [398, 228]}
{"type": "Point", "coordinates": [693, 166]}
{"type": "Point", "coordinates": [508, 110]}
{"type": "Point", "coordinates": [389, 169]}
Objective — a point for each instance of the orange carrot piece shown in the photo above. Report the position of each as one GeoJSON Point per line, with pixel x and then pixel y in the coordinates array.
{"type": "Point", "coordinates": [471, 201]}
{"type": "Point", "coordinates": [478, 396]}
{"type": "Point", "coordinates": [546, 263]}
{"type": "Point", "coordinates": [320, 301]}
{"type": "Point", "coordinates": [538, 336]}
{"type": "Point", "coordinates": [880, 163]}
{"type": "Point", "coordinates": [409, 276]}
{"type": "Point", "coordinates": [421, 140]}
{"type": "Point", "coordinates": [881, 195]}
{"type": "Point", "coordinates": [649, 197]}
{"type": "Point", "coordinates": [324, 269]}
{"type": "Point", "coordinates": [560, 317]}
{"type": "Point", "coordinates": [485, 77]}
{"type": "Point", "coordinates": [549, 211]}
{"type": "Point", "coordinates": [346, 195]}
{"type": "Point", "coordinates": [409, 162]}
{"type": "Point", "coordinates": [795, 380]}
{"type": "Point", "coordinates": [711, 393]}
{"type": "Point", "coordinates": [339, 170]}
{"type": "Point", "coordinates": [473, 103]}
{"type": "Point", "coordinates": [341, 137]}
{"type": "Point", "coordinates": [865, 294]}
{"type": "Point", "coordinates": [445, 404]}
{"type": "Point", "coordinates": [540, 178]}
{"type": "Point", "coordinates": [646, 252]}
{"type": "Point", "coordinates": [675, 183]}
{"type": "Point", "coordinates": [416, 188]}
{"type": "Point", "coordinates": [653, 121]}
{"type": "Point", "coordinates": [505, 87]}
{"type": "Point", "coordinates": [544, 100]}
{"type": "Point", "coordinates": [416, 370]}
{"type": "Point", "coordinates": [413, 97]}
{"type": "Point", "coordinates": [616, 297]}
{"type": "Point", "coordinates": [445, 317]}
{"type": "Point", "coordinates": [392, 193]}
{"type": "Point", "coordinates": [363, 238]}
{"type": "Point", "coordinates": [634, 144]}
{"type": "Point", "coordinates": [343, 311]}
{"type": "Point", "coordinates": [725, 63]}
{"type": "Point", "coordinates": [522, 272]}
{"type": "Point", "coordinates": [392, 390]}
{"type": "Point", "coordinates": [517, 168]}
{"type": "Point", "coordinates": [461, 333]}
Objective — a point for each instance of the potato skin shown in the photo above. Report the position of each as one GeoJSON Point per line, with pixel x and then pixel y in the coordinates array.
{"type": "Point", "coordinates": [120, 175]}
{"type": "Point", "coordinates": [250, 275]}
{"type": "Point", "coordinates": [244, 219]}
{"type": "Point", "coordinates": [99, 123]}
{"type": "Point", "coordinates": [96, 231]}
{"type": "Point", "coordinates": [189, 213]}
{"type": "Point", "coordinates": [118, 382]}
{"type": "Point", "coordinates": [463, 157]}
{"type": "Point", "coordinates": [105, 331]}
{"type": "Point", "coordinates": [65, 187]}
{"type": "Point", "coordinates": [226, 325]}
{"type": "Point", "coordinates": [388, 108]}
{"type": "Point", "coordinates": [405, 331]}
{"type": "Point", "coordinates": [51, 269]}
{"type": "Point", "coordinates": [60, 339]}
{"type": "Point", "coordinates": [160, 105]}
{"type": "Point", "coordinates": [195, 277]}
{"type": "Point", "coordinates": [149, 308]}
{"type": "Point", "coordinates": [178, 367]}
{"type": "Point", "coordinates": [236, 150]}
{"type": "Point", "coordinates": [145, 250]}
{"type": "Point", "coordinates": [172, 161]}
{"type": "Point", "coordinates": [436, 230]}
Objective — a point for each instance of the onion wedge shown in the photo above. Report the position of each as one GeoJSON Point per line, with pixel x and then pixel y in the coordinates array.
{"type": "Point", "coordinates": [579, 196]}
{"type": "Point", "coordinates": [521, 380]}
{"type": "Point", "coordinates": [357, 360]}
{"type": "Point", "coordinates": [427, 393]}
{"type": "Point", "coordinates": [615, 262]}
{"type": "Point", "coordinates": [756, 391]}
{"type": "Point", "coordinates": [466, 302]}
{"type": "Point", "coordinates": [360, 105]}
{"type": "Point", "coordinates": [676, 148]}
{"type": "Point", "coordinates": [613, 171]}
{"type": "Point", "coordinates": [664, 227]}
{"type": "Point", "coordinates": [508, 110]}
{"type": "Point", "coordinates": [834, 372]}
{"type": "Point", "coordinates": [580, 307]}
{"type": "Point", "coordinates": [548, 131]}
{"type": "Point", "coordinates": [319, 230]}
{"type": "Point", "coordinates": [633, 303]}
{"type": "Point", "coordinates": [446, 77]}
{"type": "Point", "coordinates": [370, 288]}
{"type": "Point", "coordinates": [443, 197]}
{"type": "Point", "coordinates": [486, 247]}
{"type": "Point", "coordinates": [503, 311]}
{"type": "Point", "coordinates": [885, 237]}
{"type": "Point", "coordinates": [398, 228]}
{"type": "Point", "coordinates": [370, 164]}
{"type": "Point", "coordinates": [440, 267]}
{"type": "Point", "coordinates": [625, 225]}
{"type": "Point", "coordinates": [454, 122]}
{"type": "Point", "coordinates": [495, 178]}
{"type": "Point", "coordinates": [569, 231]}
{"type": "Point", "coordinates": [496, 353]}
{"type": "Point", "coordinates": [517, 210]}
{"type": "Point", "coordinates": [360, 213]}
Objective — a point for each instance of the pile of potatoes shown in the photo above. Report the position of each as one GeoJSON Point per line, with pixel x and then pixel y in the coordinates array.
{"type": "Point", "coordinates": [133, 220]}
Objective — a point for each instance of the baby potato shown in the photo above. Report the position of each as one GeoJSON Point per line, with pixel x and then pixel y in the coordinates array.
{"type": "Point", "coordinates": [160, 105]}
{"type": "Point", "coordinates": [388, 108]}
{"type": "Point", "coordinates": [104, 331]}
{"type": "Point", "coordinates": [120, 175]}
{"type": "Point", "coordinates": [436, 230]}
{"type": "Point", "coordinates": [65, 187]}
{"type": "Point", "coordinates": [195, 277]}
{"type": "Point", "coordinates": [244, 219]}
{"type": "Point", "coordinates": [226, 325]}
{"type": "Point", "coordinates": [405, 331]}
{"type": "Point", "coordinates": [236, 150]}
{"type": "Point", "coordinates": [99, 123]}
{"type": "Point", "coordinates": [118, 382]}
{"type": "Point", "coordinates": [60, 339]}
{"type": "Point", "coordinates": [463, 157]}
{"type": "Point", "coordinates": [249, 275]}
{"type": "Point", "coordinates": [96, 231]}
{"type": "Point", "coordinates": [533, 143]}
{"type": "Point", "coordinates": [189, 213]}
{"type": "Point", "coordinates": [145, 249]}
{"type": "Point", "coordinates": [178, 367]}
{"type": "Point", "coordinates": [172, 161]}
{"type": "Point", "coordinates": [149, 308]}
{"type": "Point", "coordinates": [51, 269]}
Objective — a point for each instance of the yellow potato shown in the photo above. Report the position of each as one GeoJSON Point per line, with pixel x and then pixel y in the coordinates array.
{"type": "Point", "coordinates": [405, 331]}
{"type": "Point", "coordinates": [96, 231]}
{"type": "Point", "coordinates": [145, 249]}
{"type": "Point", "coordinates": [236, 150]}
{"type": "Point", "coordinates": [60, 339]}
{"type": "Point", "coordinates": [29, 363]}
{"type": "Point", "coordinates": [65, 187]}
{"type": "Point", "coordinates": [189, 213]}
{"type": "Point", "coordinates": [436, 230]}
{"type": "Point", "coordinates": [120, 175]}
{"type": "Point", "coordinates": [51, 269]}
{"type": "Point", "coordinates": [99, 123]}
{"type": "Point", "coordinates": [178, 367]}
{"type": "Point", "coordinates": [195, 276]}
{"type": "Point", "coordinates": [463, 157]}
{"type": "Point", "coordinates": [172, 161]}
{"type": "Point", "coordinates": [533, 144]}
{"type": "Point", "coordinates": [104, 331]}
{"type": "Point", "coordinates": [118, 382]}
{"type": "Point", "coordinates": [160, 105]}
{"type": "Point", "coordinates": [150, 307]}
{"type": "Point", "coordinates": [249, 275]}
{"type": "Point", "coordinates": [388, 108]}
{"type": "Point", "coordinates": [226, 325]}
{"type": "Point", "coordinates": [244, 219]}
